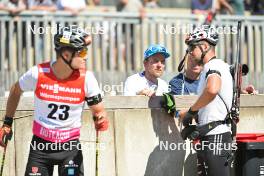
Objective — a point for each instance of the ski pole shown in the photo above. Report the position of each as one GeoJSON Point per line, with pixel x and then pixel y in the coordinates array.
{"type": "Point", "coordinates": [97, 153]}
{"type": "Point", "coordinates": [3, 160]}
{"type": "Point", "coordinates": [96, 147]}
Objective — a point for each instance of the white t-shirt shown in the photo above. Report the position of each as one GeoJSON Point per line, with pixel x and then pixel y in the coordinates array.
{"type": "Point", "coordinates": [76, 4]}
{"type": "Point", "coordinates": [132, 6]}
{"type": "Point", "coordinates": [28, 82]}
{"type": "Point", "coordinates": [216, 109]}
{"type": "Point", "coordinates": [138, 82]}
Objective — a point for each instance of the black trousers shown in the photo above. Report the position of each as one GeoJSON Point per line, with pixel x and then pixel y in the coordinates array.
{"type": "Point", "coordinates": [215, 155]}
{"type": "Point", "coordinates": [44, 155]}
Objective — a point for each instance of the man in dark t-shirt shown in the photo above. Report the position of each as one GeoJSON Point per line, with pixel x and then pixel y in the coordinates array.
{"type": "Point", "coordinates": [201, 6]}
{"type": "Point", "coordinates": [181, 85]}
{"type": "Point", "coordinates": [186, 83]}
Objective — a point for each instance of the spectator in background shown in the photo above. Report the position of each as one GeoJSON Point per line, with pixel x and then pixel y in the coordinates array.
{"type": "Point", "coordinates": [247, 4]}
{"type": "Point", "coordinates": [257, 7]}
{"type": "Point", "coordinates": [238, 7]}
{"type": "Point", "coordinates": [151, 4]}
{"type": "Point", "coordinates": [96, 2]}
{"type": "Point", "coordinates": [14, 7]}
{"type": "Point", "coordinates": [148, 82]}
{"type": "Point", "coordinates": [187, 83]}
{"type": "Point", "coordinates": [224, 7]}
{"type": "Point", "coordinates": [131, 6]}
{"type": "Point", "coordinates": [73, 6]}
{"type": "Point", "coordinates": [45, 5]}
{"type": "Point", "coordinates": [201, 6]}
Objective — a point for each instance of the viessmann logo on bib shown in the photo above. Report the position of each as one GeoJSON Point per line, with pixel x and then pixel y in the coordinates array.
{"type": "Point", "coordinates": [56, 88]}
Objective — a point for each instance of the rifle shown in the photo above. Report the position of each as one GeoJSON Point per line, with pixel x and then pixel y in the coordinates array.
{"type": "Point", "coordinates": [237, 81]}
{"type": "Point", "coordinates": [210, 17]}
{"type": "Point", "coordinates": [211, 14]}
{"type": "Point", "coordinates": [237, 70]}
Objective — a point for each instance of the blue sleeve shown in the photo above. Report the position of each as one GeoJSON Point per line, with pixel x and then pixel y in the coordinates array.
{"type": "Point", "coordinates": [31, 3]}
{"type": "Point", "coordinates": [59, 5]}
{"type": "Point", "coordinates": [210, 4]}
{"type": "Point", "coordinates": [175, 85]}
{"type": "Point", "coordinates": [193, 5]}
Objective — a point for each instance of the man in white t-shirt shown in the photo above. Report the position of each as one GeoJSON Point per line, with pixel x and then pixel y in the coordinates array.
{"type": "Point", "coordinates": [130, 6]}
{"type": "Point", "coordinates": [75, 7]}
{"type": "Point", "coordinates": [61, 89]}
{"type": "Point", "coordinates": [148, 82]}
{"type": "Point", "coordinates": [215, 92]}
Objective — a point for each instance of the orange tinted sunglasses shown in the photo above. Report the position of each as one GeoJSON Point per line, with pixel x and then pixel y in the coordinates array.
{"type": "Point", "coordinates": [82, 53]}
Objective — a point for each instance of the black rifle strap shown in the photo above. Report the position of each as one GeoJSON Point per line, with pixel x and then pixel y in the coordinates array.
{"type": "Point", "coordinates": [228, 111]}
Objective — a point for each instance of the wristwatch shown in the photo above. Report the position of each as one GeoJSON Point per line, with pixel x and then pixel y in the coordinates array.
{"type": "Point", "coordinates": [177, 114]}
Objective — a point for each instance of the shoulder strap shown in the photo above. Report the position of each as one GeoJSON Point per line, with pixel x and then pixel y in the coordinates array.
{"type": "Point", "coordinates": [182, 83]}
{"type": "Point", "coordinates": [228, 111]}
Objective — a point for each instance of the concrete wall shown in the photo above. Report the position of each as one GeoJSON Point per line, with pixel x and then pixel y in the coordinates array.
{"type": "Point", "coordinates": [131, 146]}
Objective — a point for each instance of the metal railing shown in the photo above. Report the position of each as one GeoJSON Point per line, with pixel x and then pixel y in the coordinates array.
{"type": "Point", "coordinates": [119, 40]}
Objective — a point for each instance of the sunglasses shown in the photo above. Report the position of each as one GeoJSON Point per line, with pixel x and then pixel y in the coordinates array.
{"type": "Point", "coordinates": [192, 47]}
{"type": "Point", "coordinates": [82, 53]}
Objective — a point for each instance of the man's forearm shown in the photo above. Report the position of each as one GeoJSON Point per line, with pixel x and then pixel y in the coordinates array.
{"type": "Point", "coordinates": [227, 6]}
{"type": "Point", "coordinates": [98, 110]}
{"type": "Point", "coordinates": [48, 8]}
{"type": "Point", "coordinates": [4, 8]}
{"type": "Point", "coordinates": [13, 100]}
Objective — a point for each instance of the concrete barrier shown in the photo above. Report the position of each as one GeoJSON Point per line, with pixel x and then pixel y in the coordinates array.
{"type": "Point", "coordinates": [136, 141]}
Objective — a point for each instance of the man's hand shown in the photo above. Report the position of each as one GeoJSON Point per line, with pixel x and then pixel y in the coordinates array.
{"type": "Point", "coordinates": [88, 40]}
{"type": "Point", "coordinates": [182, 114]}
{"type": "Point", "coordinates": [168, 103]}
{"type": "Point", "coordinates": [101, 123]}
{"type": "Point", "coordinates": [186, 117]}
{"type": "Point", "coordinates": [249, 90]}
{"type": "Point", "coordinates": [147, 92]}
{"type": "Point", "coordinates": [124, 2]}
{"type": "Point", "coordinates": [5, 135]}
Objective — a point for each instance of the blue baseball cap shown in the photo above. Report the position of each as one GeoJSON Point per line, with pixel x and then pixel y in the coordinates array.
{"type": "Point", "coordinates": [154, 49]}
